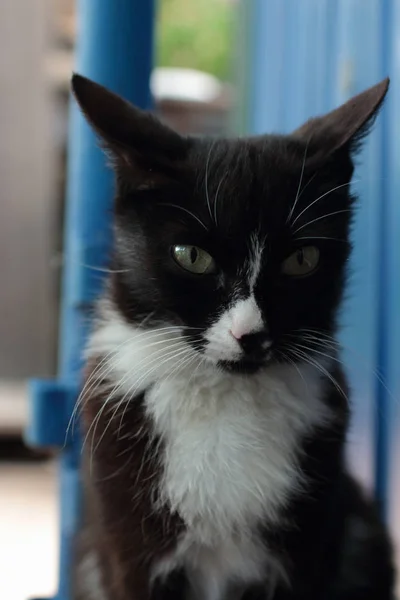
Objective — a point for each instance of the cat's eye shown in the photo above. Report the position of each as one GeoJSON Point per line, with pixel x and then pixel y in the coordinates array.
{"type": "Point", "coordinates": [302, 262]}
{"type": "Point", "coordinates": [193, 259]}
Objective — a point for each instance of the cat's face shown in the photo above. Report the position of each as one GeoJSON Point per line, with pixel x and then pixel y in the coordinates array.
{"type": "Point", "coordinates": [243, 243]}
{"type": "Point", "coordinates": [229, 251]}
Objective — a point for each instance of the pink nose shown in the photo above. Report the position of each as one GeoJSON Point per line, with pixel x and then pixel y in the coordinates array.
{"type": "Point", "coordinates": [238, 332]}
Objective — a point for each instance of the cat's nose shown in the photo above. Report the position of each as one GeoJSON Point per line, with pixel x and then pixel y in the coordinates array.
{"type": "Point", "coordinates": [254, 343]}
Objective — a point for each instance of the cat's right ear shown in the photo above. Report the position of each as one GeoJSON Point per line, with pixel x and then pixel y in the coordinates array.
{"type": "Point", "coordinates": [343, 129]}
{"type": "Point", "coordinates": [139, 144]}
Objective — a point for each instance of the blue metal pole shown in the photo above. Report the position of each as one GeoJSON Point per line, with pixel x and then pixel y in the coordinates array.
{"type": "Point", "coordinates": [114, 48]}
{"type": "Point", "coordinates": [382, 403]}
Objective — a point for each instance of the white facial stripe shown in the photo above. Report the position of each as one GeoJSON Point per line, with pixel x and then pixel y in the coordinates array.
{"type": "Point", "coordinates": [242, 318]}
{"type": "Point", "coordinates": [255, 261]}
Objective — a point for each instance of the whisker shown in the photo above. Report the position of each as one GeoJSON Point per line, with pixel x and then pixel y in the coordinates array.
{"type": "Point", "coordinates": [201, 363]}
{"type": "Point", "coordinates": [313, 350]}
{"type": "Point", "coordinates": [307, 184]}
{"type": "Point", "coordinates": [102, 269]}
{"type": "Point", "coordinates": [94, 379]}
{"type": "Point", "coordinates": [206, 179]}
{"type": "Point", "coordinates": [299, 186]}
{"type": "Point", "coordinates": [320, 237]}
{"type": "Point", "coordinates": [336, 212]}
{"type": "Point", "coordinates": [322, 341]}
{"type": "Point", "coordinates": [320, 332]}
{"type": "Point", "coordinates": [164, 354]}
{"type": "Point", "coordinates": [127, 403]}
{"type": "Point", "coordinates": [323, 196]}
{"type": "Point", "coordinates": [99, 373]}
{"type": "Point", "coordinates": [304, 333]}
{"type": "Point", "coordinates": [148, 360]}
{"type": "Point", "coordinates": [322, 344]}
{"type": "Point", "coordinates": [96, 420]}
{"type": "Point", "coordinates": [96, 376]}
{"type": "Point", "coordinates": [189, 212]}
{"type": "Point", "coordinates": [117, 471]}
{"type": "Point", "coordinates": [288, 358]}
{"type": "Point", "coordinates": [185, 361]}
{"type": "Point", "coordinates": [128, 394]}
{"type": "Point", "coordinates": [317, 365]}
{"type": "Point", "coordinates": [329, 341]}
{"type": "Point", "coordinates": [216, 197]}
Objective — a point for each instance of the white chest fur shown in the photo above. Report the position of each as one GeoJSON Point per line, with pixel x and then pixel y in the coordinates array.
{"type": "Point", "coordinates": [230, 462]}
{"type": "Point", "coordinates": [230, 441]}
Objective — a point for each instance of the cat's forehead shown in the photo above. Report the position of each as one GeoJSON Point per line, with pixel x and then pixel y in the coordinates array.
{"type": "Point", "coordinates": [266, 157]}
{"type": "Point", "coordinates": [247, 186]}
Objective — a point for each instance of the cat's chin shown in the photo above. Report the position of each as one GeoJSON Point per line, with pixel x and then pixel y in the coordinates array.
{"type": "Point", "coordinates": [243, 366]}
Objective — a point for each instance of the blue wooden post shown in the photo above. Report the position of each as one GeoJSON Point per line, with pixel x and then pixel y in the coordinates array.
{"type": "Point", "coordinates": [313, 45]}
{"type": "Point", "coordinates": [114, 48]}
{"type": "Point", "coordinates": [386, 245]}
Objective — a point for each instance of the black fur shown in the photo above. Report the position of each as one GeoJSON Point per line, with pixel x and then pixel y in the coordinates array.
{"type": "Point", "coordinates": [216, 193]}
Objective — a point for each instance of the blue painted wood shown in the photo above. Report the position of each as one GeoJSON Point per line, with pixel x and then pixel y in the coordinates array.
{"type": "Point", "coordinates": [308, 58]}
{"type": "Point", "coordinates": [114, 47]}
{"type": "Point", "coordinates": [385, 289]}
{"type": "Point", "coordinates": [359, 68]}
{"type": "Point", "coordinates": [393, 270]}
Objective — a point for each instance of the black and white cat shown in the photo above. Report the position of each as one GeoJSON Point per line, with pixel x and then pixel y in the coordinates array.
{"type": "Point", "coordinates": [215, 409]}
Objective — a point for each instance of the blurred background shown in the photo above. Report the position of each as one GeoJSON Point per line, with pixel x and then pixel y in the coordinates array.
{"type": "Point", "coordinates": [221, 67]}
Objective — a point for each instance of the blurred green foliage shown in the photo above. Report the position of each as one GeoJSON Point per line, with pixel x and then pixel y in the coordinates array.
{"type": "Point", "coordinates": [196, 34]}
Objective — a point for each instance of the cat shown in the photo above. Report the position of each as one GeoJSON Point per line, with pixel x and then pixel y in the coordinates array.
{"type": "Point", "coordinates": [215, 408]}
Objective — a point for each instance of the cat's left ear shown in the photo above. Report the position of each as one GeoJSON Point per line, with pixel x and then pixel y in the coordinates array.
{"type": "Point", "coordinates": [346, 126]}
{"type": "Point", "coordinates": [141, 147]}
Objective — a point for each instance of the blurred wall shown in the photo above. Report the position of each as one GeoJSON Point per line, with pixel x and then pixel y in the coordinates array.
{"type": "Point", "coordinates": [27, 283]}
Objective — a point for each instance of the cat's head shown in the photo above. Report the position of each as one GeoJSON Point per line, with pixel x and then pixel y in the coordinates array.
{"type": "Point", "coordinates": [243, 242]}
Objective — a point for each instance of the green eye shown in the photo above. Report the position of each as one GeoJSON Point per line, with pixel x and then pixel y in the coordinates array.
{"type": "Point", "coordinates": [302, 262]}
{"type": "Point", "coordinates": [193, 259]}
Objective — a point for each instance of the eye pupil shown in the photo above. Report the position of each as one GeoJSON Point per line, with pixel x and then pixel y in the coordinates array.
{"type": "Point", "coordinates": [302, 262]}
{"type": "Point", "coordinates": [193, 255]}
{"type": "Point", "coordinates": [300, 256]}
